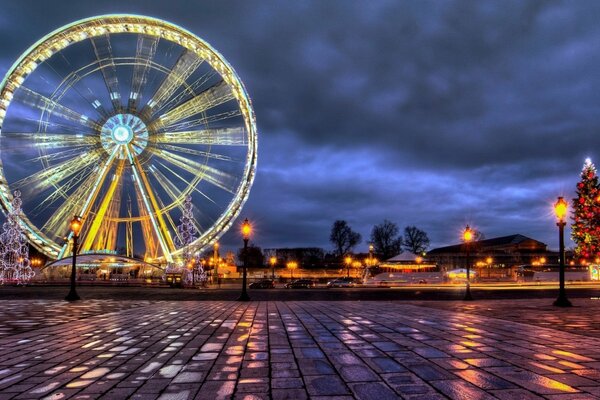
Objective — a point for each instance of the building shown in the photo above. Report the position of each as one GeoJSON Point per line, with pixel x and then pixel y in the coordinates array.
{"type": "Point", "coordinates": [497, 253]}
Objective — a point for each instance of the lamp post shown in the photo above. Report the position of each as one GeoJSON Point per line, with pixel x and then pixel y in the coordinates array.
{"type": "Point", "coordinates": [246, 230]}
{"type": "Point", "coordinates": [560, 209]}
{"type": "Point", "coordinates": [215, 257]}
{"type": "Point", "coordinates": [292, 265]}
{"type": "Point", "coordinates": [75, 228]}
{"type": "Point", "coordinates": [371, 248]}
{"type": "Point", "coordinates": [273, 261]}
{"type": "Point", "coordinates": [348, 261]}
{"type": "Point", "coordinates": [467, 237]}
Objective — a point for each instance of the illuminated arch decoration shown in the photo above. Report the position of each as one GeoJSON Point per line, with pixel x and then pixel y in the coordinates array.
{"type": "Point", "coordinates": [119, 118]}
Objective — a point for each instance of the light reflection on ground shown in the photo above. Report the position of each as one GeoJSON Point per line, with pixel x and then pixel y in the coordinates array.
{"type": "Point", "coordinates": [300, 349]}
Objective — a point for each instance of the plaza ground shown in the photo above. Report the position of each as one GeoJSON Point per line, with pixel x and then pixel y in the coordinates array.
{"type": "Point", "coordinates": [114, 346]}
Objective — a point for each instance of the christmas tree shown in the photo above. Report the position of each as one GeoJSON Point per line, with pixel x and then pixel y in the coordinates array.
{"type": "Point", "coordinates": [585, 230]}
{"type": "Point", "coordinates": [14, 251]}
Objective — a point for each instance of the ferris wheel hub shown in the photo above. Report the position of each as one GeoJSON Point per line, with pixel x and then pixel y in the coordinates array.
{"type": "Point", "coordinates": [122, 134]}
{"type": "Point", "coordinates": [124, 130]}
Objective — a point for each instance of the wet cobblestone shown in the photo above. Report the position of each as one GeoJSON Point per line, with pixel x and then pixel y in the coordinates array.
{"type": "Point", "coordinates": [294, 350]}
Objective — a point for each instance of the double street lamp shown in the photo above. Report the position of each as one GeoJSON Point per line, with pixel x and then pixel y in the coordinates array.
{"type": "Point", "coordinates": [273, 261]}
{"type": "Point", "coordinates": [560, 209]}
{"type": "Point", "coordinates": [467, 238]}
{"type": "Point", "coordinates": [75, 228]}
{"type": "Point", "coordinates": [348, 261]}
{"type": "Point", "coordinates": [246, 230]}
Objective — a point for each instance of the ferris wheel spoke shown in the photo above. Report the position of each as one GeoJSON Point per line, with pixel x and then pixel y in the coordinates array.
{"type": "Point", "coordinates": [71, 152]}
{"type": "Point", "coordinates": [220, 136]}
{"type": "Point", "coordinates": [58, 221]}
{"type": "Point", "coordinates": [184, 94]}
{"type": "Point", "coordinates": [205, 154]}
{"type": "Point", "coordinates": [43, 179]}
{"type": "Point", "coordinates": [93, 190]}
{"type": "Point", "coordinates": [212, 175]}
{"type": "Point", "coordinates": [107, 200]}
{"type": "Point", "coordinates": [207, 120]}
{"type": "Point", "coordinates": [187, 183]}
{"type": "Point", "coordinates": [176, 195]}
{"type": "Point", "coordinates": [47, 105]}
{"type": "Point", "coordinates": [152, 206]}
{"type": "Point", "coordinates": [104, 56]}
{"type": "Point", "coordinates": [146, 48]}
{"type": "Point", "coordinates": [64, 188]}
{"type": "Point", "coordinates": [212, 97]}
{"type": "Point", "coordinates": [185, 66]}
{"type": "Point", "coordinates": [54, 140]}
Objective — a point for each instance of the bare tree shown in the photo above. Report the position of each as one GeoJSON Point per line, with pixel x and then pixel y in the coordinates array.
{"type": "Point", "coordinates": [343, 238]}
{"type": "Point", "coordinates": [386, 239]}
{"type": "Point", "coordinates": [415, 240]}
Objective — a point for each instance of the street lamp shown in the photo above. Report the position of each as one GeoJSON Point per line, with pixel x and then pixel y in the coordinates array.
{"type": "Point", "coordinates": [560, 209]}
{"type": "Point", "coordinates": [246, 230]}
{"type": "Point", "coordinates": [468, 237]}
{"type": "Point", "coordinates": [348, 261]}
{"type": "Point", "coordinates": [292, 265]}
{"type": "Point", "coordinates": [371, 248]}
{"type": "Point", "coordinates": [273, 261]}
{"type": "Point", "coordinates": [215, 257]}
{"type": "Point", "coordinates": [75, 228]}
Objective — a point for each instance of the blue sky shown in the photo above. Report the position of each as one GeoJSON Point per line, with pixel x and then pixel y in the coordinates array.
{"type": "Point", "coordinates": [427, 113]}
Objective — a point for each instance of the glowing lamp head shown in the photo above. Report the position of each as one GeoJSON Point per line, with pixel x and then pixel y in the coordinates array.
{"type": "Point", "coordinates": [371, 248]}
{"type": "Point", "coordinates": [76, 225]}
{"type": "Point", "coordinates": [273, 260]}
{"type": "Point", "coordinates": [560, 208]}
{"type": "Point", "coordinates": [488, 260]}
{"type": "Point", "coordinates": [468, 234]}
{"type": "Point", "coordinates": [419, 259]}
{"type": "Point", "coordinates": [348, 260]}
{"type": "Point", "coordinates": [246, 229]}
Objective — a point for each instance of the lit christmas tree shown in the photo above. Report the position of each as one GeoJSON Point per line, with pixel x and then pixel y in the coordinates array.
{"type": "Point", "coordinates": [15, 266]}
{"type": "Point", "coordinates": [585, 230]}
{"type": "Point", "coordinates": [186, 234]}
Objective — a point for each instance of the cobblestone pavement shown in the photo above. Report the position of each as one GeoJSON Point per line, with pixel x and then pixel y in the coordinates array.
{"type": "Point", "coordinates": [296, 350]}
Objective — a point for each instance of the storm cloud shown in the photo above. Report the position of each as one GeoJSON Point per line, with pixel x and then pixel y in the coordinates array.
{"type": "Point", "coordinates": [427, 113]}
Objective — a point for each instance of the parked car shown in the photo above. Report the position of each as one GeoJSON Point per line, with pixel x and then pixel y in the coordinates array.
{"type": "Point", "coordinates": [341, 282]}
{"type": "Point", "coordinates": [300, 284]}
{"type": "Point", "coordinates": [263, 284]}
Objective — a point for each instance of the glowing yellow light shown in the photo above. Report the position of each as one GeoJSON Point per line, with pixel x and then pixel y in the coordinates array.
{"type": "Point", "coordinates": [348, 260]}
{"type": "Point", "coordinates": [560, 208]}
{"type": "Point", "coordinates": [489, 260]}
{"type": "Point", "coordinates": [543, 260]}
{"type": "Point", "coordinates": [246, 229]}
{"type": "Point", "coordinates": [273, 260]}
{"type": "Point", "coordinates": [468, 234]}
{"type": "Point", "coordinates": [292, 265]}
{"type": "Point", "coordinates": [76, 225]}
{"type": "Point", "coordinates": [419, 259]}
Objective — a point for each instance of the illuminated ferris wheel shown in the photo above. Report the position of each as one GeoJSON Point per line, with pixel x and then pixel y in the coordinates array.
{"type": "Point", "coordinates": [118, 119]}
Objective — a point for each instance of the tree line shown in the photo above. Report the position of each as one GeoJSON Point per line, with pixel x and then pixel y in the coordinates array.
{"type": "Point", "coordinates": [385, 237]}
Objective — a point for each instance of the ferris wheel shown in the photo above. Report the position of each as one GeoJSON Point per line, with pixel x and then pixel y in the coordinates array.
{"type": "Point", "coordinates": [118, 119]}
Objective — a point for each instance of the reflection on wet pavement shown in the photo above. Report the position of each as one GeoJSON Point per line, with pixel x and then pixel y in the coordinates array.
{"type": "Point", "coordinates": [295, 350]}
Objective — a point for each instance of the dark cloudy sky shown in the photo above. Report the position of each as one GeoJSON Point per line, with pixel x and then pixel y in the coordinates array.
{"type": "Point", "coordinates": [427, 113]}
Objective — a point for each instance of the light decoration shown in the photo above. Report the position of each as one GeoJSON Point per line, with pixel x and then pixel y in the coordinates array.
{"type": "Point", "coordinates": [186, 235]}
{"type": "Point", "coordinates": [585, 230]}
{"type": "Point", "coordinates": [15, 266]}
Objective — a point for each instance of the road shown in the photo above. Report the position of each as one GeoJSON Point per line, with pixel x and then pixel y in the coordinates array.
{"type": "Point", "coordinates": [421, 292]}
